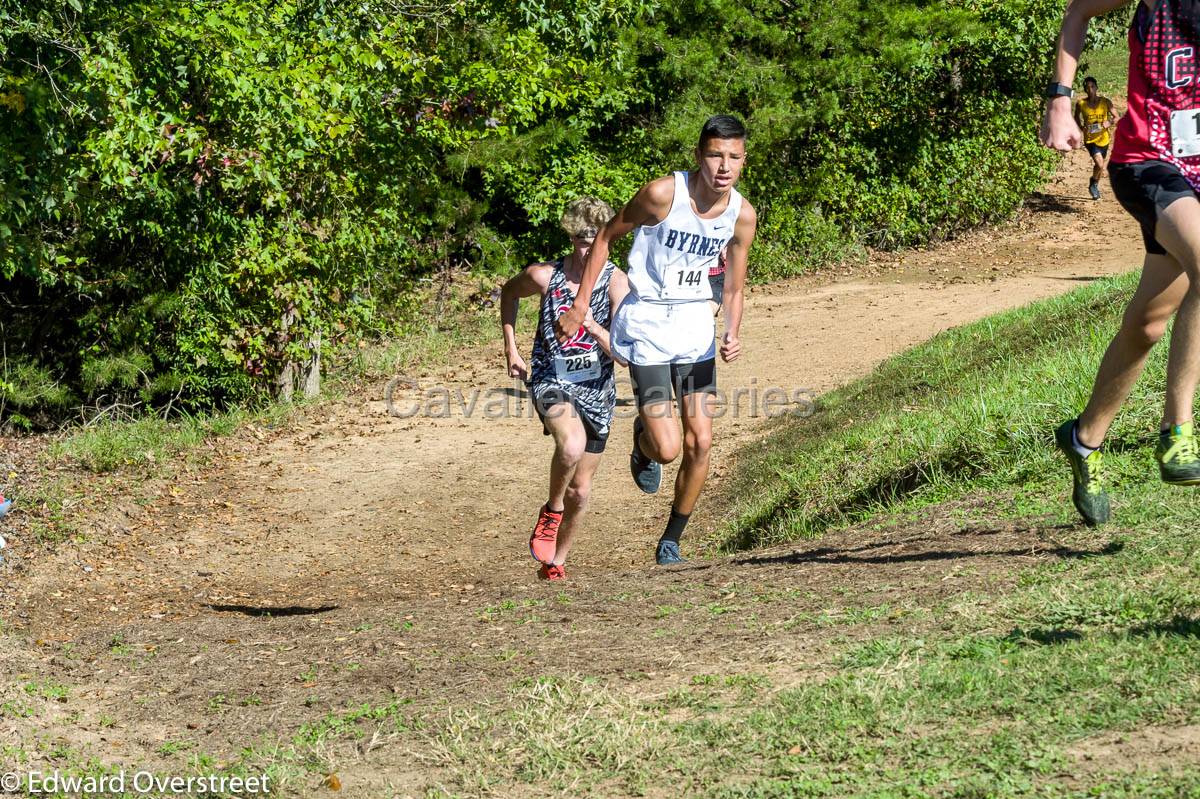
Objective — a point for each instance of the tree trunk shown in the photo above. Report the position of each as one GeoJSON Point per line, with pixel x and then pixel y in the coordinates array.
{"type": "Point", "coordinates": [306, 376]}
{"type": "Point", "coordinates": [312, 369]}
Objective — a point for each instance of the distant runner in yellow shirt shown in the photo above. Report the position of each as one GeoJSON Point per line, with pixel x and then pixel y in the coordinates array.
{"type": "Point", "coordinates": [1095, 117]}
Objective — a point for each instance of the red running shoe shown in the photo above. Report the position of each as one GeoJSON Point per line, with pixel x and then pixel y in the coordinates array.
{"type": "Point", "coordinates": [550, 571]}
{"type": "Point", "coordinates": [545, 535]}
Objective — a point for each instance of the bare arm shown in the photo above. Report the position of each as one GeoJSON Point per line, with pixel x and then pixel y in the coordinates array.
{"type": "Point", "coordinates": [735, 280]}
{"type": "Point", "coordinates": [1059, 130]}
{"type": "Point", "coordinates": [618, 287]}
{"type": "Point", "coordinates": [531, 281]}
{"type": "Point", "coordinates": [649, 206]}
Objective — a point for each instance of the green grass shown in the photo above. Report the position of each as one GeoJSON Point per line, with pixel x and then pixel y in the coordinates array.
{"type": "Point", "coordinates": [151, 442]}
{"type": "Point", "coordinates": [112, 458]}
{"type": "Point", "coordinates": [1108, 65]}
{"type": "Point", "coordinates": [436, 333]}
{"type": "Point", "coordinates": [981, 716]}
{"type": "Point", "coordinates": [969, 413]}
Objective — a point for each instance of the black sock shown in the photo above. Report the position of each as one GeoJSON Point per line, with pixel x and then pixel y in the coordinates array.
{"type": "Point", "coordinates": [675, 526]}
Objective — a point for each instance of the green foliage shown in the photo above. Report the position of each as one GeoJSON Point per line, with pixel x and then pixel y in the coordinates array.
{"type": "Point", "coordinates": [1110, 29]}
{"type": "Point", "coordinates": [191, 191]}
{"type": "Point", "coordinates": [27, 388]}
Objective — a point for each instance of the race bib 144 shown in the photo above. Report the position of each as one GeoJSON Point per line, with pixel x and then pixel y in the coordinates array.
{"type": "Point", "coordinates": [684, 282]}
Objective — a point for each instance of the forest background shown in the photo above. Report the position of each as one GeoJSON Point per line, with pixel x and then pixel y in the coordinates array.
{"type": "Point", "coordinates": [195, 194]}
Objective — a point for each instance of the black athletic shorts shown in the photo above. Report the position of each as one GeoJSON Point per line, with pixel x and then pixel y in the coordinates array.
{"type": "Point", "coordinates": [1095, 148]}
{"type": "Point", "coordinates": [595, 441]}
{"type": "Point", "coordinates": [717, 284]}
{"type": "Point", "coordinates": [1145, 189]}
{"type": "Point", "coordinates": [655, 383]}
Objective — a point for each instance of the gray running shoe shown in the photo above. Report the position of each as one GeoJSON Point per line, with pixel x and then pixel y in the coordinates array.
{"type": "Point", "coordinates": [1088, 492]}
{"type": "Point", "coordinates": [1178, 460]}
{"type": "Point", "coordinates": [668, 554]}
{"type": "Point", "coordinates": [1094, 190]}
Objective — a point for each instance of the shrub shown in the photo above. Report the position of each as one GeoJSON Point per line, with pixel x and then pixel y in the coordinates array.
{"type": "Point", "coordinates": [192, 192]}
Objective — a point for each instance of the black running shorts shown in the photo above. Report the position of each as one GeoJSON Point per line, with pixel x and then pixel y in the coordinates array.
{"type": "Point", "coordinates": [655, 383]}
{"type": "Point", "coordinates": [1095, 148]}
{"type": "Point", "coordinates": [596, 441]}
{"type": "Point", "coordinates": [1145, 189]}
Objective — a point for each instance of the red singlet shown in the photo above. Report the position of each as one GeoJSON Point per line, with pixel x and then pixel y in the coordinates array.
{"type": "Point", "coordinates": [1164, 49]}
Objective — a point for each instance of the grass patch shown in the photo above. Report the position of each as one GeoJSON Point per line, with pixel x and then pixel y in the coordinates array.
{"type": "Point", "coordinates": [982, 716]}
{"type": "Point", "coordinates": [971, 411]}
{"type": "Point", "coordinates": [1108, 65]}
{"type": "Point", "coordinates": [436, 325]}
{"type": "Point", "coordinates": [995, 700]}
{"type": "Point", "coordinates": [149, 443]}
{"type": "Point", "coordinates": [58, 486]}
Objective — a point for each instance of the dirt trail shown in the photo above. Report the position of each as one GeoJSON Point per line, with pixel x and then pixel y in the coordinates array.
{"type": "Point", "coordinates": [384, 541]}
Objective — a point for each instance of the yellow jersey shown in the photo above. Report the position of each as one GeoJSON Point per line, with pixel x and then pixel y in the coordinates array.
{"type": "Point", "coordinates": [1093, 118]}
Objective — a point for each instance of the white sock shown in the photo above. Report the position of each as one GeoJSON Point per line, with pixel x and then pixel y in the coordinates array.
{"type": "Point", "coordinates": [1080, 448]}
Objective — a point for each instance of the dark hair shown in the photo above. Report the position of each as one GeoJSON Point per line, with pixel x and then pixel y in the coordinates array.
{"type": "Point", "coordinates": [722, 126]}
{"type": "Point", "coordinates": [1091, 80]}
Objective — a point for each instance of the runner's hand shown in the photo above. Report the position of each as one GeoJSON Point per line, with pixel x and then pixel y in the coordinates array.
{"type": "Point", "coordinates": [517, 366]}
{"type": "Point", "coordinates": [567, 325]}
{"type": "Point", "coordinates": [1059, 129]}
{"type": "Point", "coordinates": [731, 348]}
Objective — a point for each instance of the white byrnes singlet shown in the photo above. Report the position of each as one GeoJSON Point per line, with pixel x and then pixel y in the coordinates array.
{"type": "Point", "coordinates": [666, 317]}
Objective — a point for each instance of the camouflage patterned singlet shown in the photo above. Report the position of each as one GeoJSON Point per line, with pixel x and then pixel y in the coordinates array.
{"type": "Point", "coordinates": [578, 371]}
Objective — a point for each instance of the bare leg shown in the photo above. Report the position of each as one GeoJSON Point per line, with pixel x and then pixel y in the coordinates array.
{"type": "Point", "coordinates": [1178, 230]}
{"type": "Point", "coordinates": [1097, 167]}
{"type": "Point", "coordinates": [577, 495]}
{"type": "Point", "coordinates": [660, 431]}
{"type": "Point", "coordinates": [697, 411]}
{"type": "Point", "coordinates": [1158, 295]}
{"type": "Point", "coordinates": [570, 438]}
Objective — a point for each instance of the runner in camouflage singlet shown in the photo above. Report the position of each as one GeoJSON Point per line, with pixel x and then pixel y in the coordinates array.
{"type": "Point", "coordinates": [579, 371]}
{"type": "Point", "coordinates": [570, 381]}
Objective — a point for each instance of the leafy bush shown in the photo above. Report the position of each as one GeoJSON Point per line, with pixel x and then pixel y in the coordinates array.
{"type": "Point", "coordinates": [192, 192]}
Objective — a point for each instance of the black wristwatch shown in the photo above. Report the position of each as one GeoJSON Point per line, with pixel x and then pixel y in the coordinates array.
{"type": "Point", "coordinates": [1058, 90]}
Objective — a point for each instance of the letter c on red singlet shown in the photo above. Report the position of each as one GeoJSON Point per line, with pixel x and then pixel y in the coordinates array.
{"type": "Point", "coordinates": [1173, 58]}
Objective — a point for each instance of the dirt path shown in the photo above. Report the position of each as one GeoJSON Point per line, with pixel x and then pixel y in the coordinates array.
{"type": "Point", "coordinates": [398, 545]}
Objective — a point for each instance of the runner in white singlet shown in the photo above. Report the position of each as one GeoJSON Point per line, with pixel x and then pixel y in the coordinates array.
{"type": "Point", "coordinates": [665, 327]}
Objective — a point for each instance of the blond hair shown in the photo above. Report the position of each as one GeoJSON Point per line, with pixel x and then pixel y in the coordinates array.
{"type": "Point", "coordinates": [584, 214]}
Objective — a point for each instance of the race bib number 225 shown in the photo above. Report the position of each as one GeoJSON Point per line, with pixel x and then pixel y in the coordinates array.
{"type": "Point", "coordinates": [577, 368]}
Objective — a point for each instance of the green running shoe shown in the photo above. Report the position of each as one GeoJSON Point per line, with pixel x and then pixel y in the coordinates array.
{"type": "Point", "coordinates": [1178, 462]}
{"type": "Point", "coordinates": [1088, 495]}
